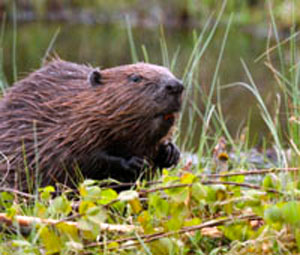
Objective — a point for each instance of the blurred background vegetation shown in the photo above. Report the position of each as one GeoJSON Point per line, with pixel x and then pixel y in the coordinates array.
{"type": "Point", "coordinates": [96, 32]}
{"type": "Point", "coordinates": [146, 13]}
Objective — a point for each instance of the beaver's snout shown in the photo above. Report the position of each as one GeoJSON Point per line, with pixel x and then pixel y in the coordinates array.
{"type": "Point", "coordinates": [174, 86]}
{"type": "Point", "coordinates": [173, 92]}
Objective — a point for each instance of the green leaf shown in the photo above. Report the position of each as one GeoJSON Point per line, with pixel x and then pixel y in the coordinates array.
{"type": "Point", "coordinates": [90, 222]}
{"type": "Point", "coordinates": [160, 206]}
{"type": "Point", "coordinates": [61, 205]}
{"type": "Point", "coordinates": [163, 246]}
{"type": "Point", "coordinates": [271, 181]}
{"type": "Point", "coordinates": [45, 192]}
{"type": "Point", "coordinates": [135, 205]}
{"type": "Point", "coordinates": [146, 222]}
{"type": "Point", "coordinates": [6, 199]}
{"type": "Point", "coordinates": [50, 240]}
{"type": "Point", "coordinates": [93, 193]}
{"type": "Point", "coordinates": [291, 213]}
{"type": "Point", "coordinates": [188, 178]}
{"type": "Point", "coordinates": [82, 190]}
{"type": "Point", "coordinates": [40, 210]}
{"type": "Point", "coordinates": [83, 187]}
{"type": "Point", "coordinates": [6, 196]}
{"type": "Point", "coordinates": [132, 197]}
{"type": "Point", "coordinates": [120, 207]}
{"type": "Point", "coordinates": [179, 195]}
{"type": "Point", "coordinates": [237, 178]}
{"type": "Point", "coordinates": [239, 231]}
{"type": "Point", "coordinates": [84, 224]}
{"type": "Point", "coordinates": [113, 245]}
{"type": "Point", "coordinates": [177, 216]}
{"type": "Point", "coordinates": [216, 192]}
{"type": "Point", "coordinates": [11, 212]}
{"type": "Point", "coordinates": [96, 215]}
{"type": "Point", "coordinates": [192, 222]}
{"type": "Point", "coordinates": [165, 173]}
{"type": "Point", "coordinates": [107, 196]}
{"type": "Point", "coordinates": [167, 179]}
{"type": "Point", "coordinates": [84, 206]}
{"type": "Point", "coordinates": [273, 215]}
{"type": "Point", "coordinates": [199, 191]}
{"type": "Point", "coordinates": [70, 230]}
{"type": "Point", "coordinates": [88, 182]}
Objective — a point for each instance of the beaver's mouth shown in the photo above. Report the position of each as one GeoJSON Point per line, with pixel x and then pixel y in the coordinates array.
{"type": "Point", "coordinates": [163, 121]}
{"type": "Point", "coordinates": [169, 116]}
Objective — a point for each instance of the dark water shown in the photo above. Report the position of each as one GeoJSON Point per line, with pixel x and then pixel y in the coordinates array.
{"type": "Point", "coordinates": [108, 45]}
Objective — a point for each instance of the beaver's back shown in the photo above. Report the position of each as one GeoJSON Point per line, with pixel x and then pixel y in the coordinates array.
{"type": "Point", "coordinates": [38, 102]}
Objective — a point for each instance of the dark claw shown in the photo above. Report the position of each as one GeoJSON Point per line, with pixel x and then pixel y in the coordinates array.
{"type": "Point", "coordinates": [134, 164]}
{"type": "Point", "coordinates": [168, 155]}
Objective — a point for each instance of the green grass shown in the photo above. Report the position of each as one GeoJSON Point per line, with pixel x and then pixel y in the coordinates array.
{"type": "Point", "coordinates": [3, 81]}
{"type": "Point", "coordinates": [14, 49]}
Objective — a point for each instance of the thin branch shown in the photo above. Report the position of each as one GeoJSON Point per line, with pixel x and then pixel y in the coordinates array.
{"type": "Point", "coordinates": [27, 221]}
{"type": "Point", "coordinates": [244, 185]}
{"type": "Point", "coordinates": [15, 191]}
{"type": "Point", "coordinates": [143, 192]}
{"type": "Point", "coordinates": [251, 172]}
{"type": "Point", "coordinates": [241, 172]}
{"type": "Point", "coordinates": [152, 237]}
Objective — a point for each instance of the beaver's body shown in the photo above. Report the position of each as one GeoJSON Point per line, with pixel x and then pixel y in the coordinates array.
{"type": "Point", "coordinates": [67, 117]}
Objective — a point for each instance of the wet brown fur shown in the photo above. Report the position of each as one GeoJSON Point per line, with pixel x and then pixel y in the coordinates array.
{"type": "Point", "coordinates": [53, 119]}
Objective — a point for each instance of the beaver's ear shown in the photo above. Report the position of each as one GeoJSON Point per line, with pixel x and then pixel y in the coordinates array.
{"type": "Point", "coordinates": [95, 78]}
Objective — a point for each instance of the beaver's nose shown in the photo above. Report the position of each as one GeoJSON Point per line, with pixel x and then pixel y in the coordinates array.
{"type": "Point", "coordinates": [174, 86]}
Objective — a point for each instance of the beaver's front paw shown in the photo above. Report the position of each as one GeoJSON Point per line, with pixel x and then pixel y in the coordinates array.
{"type": "Point", "coordinates": [134, 164]}
{"type": "Point", "coordinates": [168, 155]}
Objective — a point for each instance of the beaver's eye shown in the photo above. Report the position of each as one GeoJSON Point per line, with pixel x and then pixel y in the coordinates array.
{"type": "Point", "coordinates": [95, 78]}
{"type": "Point", "coordinates": [135, 78]}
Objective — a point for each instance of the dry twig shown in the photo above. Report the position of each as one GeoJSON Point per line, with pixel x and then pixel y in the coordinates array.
{"type": "Point", "coordinates": [27, 221]}
{"type": "Point", "coordinates": [244, 185]}
{"type": "Point", "coordinates": [251, 172]}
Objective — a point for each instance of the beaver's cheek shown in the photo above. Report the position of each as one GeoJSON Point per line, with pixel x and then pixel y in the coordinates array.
{"type": "Point", "coordinates": [161, 124]}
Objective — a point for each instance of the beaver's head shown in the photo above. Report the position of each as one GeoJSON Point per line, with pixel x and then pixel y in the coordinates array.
{"type": "Point", "coordinates": [133, 104]}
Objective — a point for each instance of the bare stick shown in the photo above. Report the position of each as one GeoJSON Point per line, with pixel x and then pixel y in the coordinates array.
{"type": "Point", "coordinates": [245, 185]}
{"type": "Point", "coordinates": [27, 221]}
{"type": "Point", "coordinates": [251, 172]}
{"type": "Point", "coordinates": [15, 191]}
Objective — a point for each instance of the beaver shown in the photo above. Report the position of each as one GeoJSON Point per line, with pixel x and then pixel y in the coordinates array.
{"type": "Point", "coordinates": [66, 121]}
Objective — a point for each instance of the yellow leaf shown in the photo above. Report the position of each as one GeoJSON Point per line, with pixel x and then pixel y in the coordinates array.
{"type": "Point", "coordinates": [50, 240]}
{"type": "Point", "coordinates": [135, 205]}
